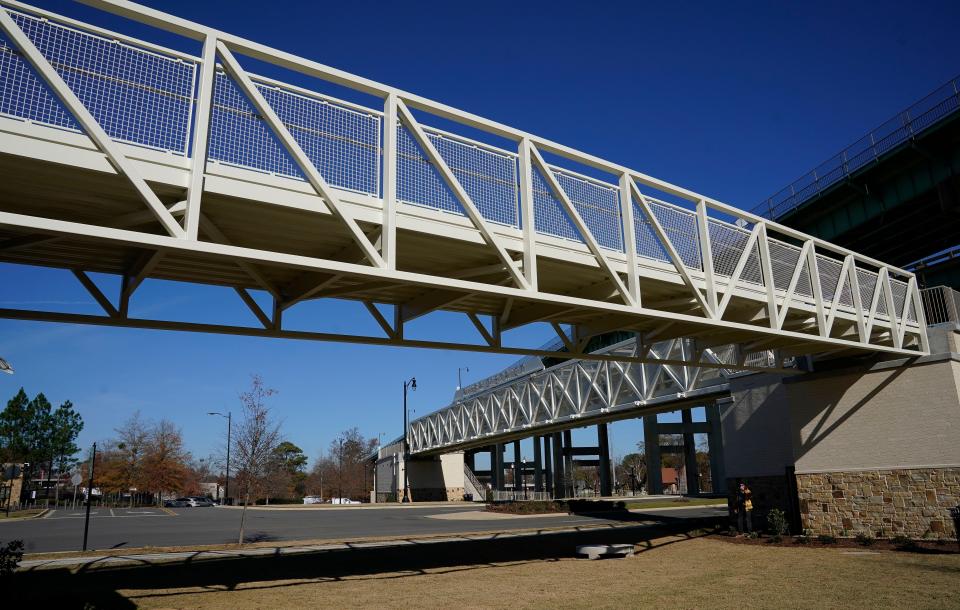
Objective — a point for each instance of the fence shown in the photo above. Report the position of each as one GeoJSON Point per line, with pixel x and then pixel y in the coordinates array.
{"type": "Point", "coordinates": [941, 305]}
{"type": "Point", "coordinates": [897, 130]}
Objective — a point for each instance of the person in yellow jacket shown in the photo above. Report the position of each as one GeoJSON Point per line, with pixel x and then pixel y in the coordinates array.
{"type": "Point", "coordinates": [744, 507]}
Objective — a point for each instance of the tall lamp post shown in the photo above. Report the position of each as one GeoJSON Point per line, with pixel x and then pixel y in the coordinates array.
{"type": "Point", "coordinates": [412, 384]}
{"type": "Point", "coordinates": [226, 482]}
{"type": "Point", "coordinates": [460, 370]}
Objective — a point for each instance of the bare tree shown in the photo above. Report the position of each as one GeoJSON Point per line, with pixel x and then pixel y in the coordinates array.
{"type": "Point", "coordinates": [255, 440]}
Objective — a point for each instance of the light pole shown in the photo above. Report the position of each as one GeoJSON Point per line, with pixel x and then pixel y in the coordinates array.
{"type": "Point", "coordinates": [412, 384]}
{"type": "Point", "coordinates": [460, 377]}
{"type": "Point", "coordinates": [226, 481]}
{"type": "Point", "coordinates": [5, 367]}
{"type": "Point", "coordinates": [340, 473]}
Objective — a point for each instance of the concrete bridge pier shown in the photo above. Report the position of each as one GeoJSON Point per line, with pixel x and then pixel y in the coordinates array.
{"type": "Point", "coordinates": [537, 465]}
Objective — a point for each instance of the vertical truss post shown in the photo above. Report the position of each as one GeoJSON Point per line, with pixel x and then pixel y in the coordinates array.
{"type": "Point", "coordinates": [527, 215]}
{"type": "Point", "coordinates": [201, 133]}
{"type": "Point", "coordinates": [630, 239]}
{"type": "Point", "coordinates": [767, 271]}
{"type": "Point", "coordinates": [389, 235]}
{"type": "Point", "coordinates": [706, 253]}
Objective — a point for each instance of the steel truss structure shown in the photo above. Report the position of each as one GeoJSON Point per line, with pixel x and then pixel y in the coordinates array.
{"type": "Point", "coordinates": [123, 157]}
{"type": "Point", "coordinates": [576, 393]}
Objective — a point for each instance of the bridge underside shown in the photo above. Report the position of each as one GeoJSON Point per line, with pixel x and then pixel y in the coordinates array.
{"type": "Point", "coordinates": [101, 172]}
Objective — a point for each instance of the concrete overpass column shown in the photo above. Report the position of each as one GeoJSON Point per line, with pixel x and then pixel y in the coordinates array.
{"type": "Point", "coordinates": [547, 460]}
{"type": "Point", "coordinates": [517, 467]}
{"type": "Point", "coordinates": [603, 442]}
{"type": "Point", "coordinates": [496, 466]}
{"type": "Point", "coordinates": [651, 445]}
{"type": "Point", "coordinates": [715, 441]}
{"type": "Point", "coordinates": [469, 460]}
{"type": "Point", "coordinates": [567, 463]}
{"type": "Point", "coordinates": [558, 489]}
{"type": "Point", "coordinates": [537, 465]}
{"type": "Point", "coordinates": [690, 453]}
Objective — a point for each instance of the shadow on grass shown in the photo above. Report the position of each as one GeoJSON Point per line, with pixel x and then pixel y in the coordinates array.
{"type": "Point", "coordinates": [96, 585]}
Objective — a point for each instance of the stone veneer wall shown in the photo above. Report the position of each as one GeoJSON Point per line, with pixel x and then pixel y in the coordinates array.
{"type": "Point", "coordinates": [436, 494]}
{"type": "Point", "coordinates": [914, 502]}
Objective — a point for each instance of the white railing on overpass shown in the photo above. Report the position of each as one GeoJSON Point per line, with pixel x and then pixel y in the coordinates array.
{"type": "Point", "coordinates": [941, 103]}
{"type": "Point", "coordinates": [941, 305]}
{"type": "Point", "coordinates": [162, 99]}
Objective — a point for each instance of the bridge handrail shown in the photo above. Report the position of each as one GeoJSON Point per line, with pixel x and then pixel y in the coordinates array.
{"type": "Point", "coordinates": [941, 305]}
{"type": "Point", "coordinates": [921, 115]}
{"type": "Point", "coordinates": [288, 61]}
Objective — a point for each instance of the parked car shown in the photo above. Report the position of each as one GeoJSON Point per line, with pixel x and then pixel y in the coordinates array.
{"type": "Point", "coordinates": [178, 503]}
{"type": "Point", "coordinates": [195, 501]}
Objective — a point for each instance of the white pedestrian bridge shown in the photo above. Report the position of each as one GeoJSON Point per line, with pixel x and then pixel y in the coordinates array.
{"type": "Point", "coordinates": [302, 182]}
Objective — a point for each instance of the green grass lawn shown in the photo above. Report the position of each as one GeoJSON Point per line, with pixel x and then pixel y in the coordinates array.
{"type": "Point", "coordinates": [21, 513]}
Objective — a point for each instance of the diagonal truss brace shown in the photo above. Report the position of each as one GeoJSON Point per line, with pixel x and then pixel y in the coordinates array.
{"type": "Point", "coordinates": [89, 124]}
{"type": "Point", "coordinates": [239, 76]}
{"type": "Point", "coordinates": [454, 185]}
{"type": "Point", "coordinates": [580, 225]}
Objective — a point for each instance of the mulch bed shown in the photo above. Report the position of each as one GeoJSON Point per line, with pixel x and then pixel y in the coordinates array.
{"type": "Point", "coordinates": [928, 547]}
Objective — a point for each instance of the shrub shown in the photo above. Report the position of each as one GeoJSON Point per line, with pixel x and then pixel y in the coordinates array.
{"type": "Point", "coordinates": [10, 555]}
{"type": "Point", "coordinates": [826, 539]}
{"type": "Point", "coordinates": [804, 538]}
{"type": "Point", "coordinates": [864, 538]}
{"type": "Point", "coordinates": [777, 522]}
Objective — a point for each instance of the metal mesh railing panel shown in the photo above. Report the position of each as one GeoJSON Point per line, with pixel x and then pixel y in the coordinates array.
{"type": "Point", "coordinates": [829, 271]}
{"type": "Point", "coordinates": [783, 262]}
{"type": "Point", "coordinates": [489, 177]}
{"type": "Point", "coordinates": [867, 281]}
{"type": "Point", "coordinates": [681, 228]}
{"type": "Point", "coordinates": [597, 203]}
{"type": "Point", "coordinates": [342, 143]}
{"type": "Point", "coordinates": [599, 206]}
{"type": "Point", "coordinates": [137, 96]}
{"type": "Point", "coordinates": [727, 244]}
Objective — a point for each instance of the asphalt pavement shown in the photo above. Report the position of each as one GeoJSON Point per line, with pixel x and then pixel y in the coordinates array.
{"type": "Point", "coordinates": [62, 530]}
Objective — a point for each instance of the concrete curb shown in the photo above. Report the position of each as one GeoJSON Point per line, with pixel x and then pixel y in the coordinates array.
{"type": "Point", "coordinates": [39, 515]}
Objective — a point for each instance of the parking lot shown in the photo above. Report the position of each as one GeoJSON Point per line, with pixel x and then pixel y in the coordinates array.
{"type": "Point", "coordinates": [118, 528]}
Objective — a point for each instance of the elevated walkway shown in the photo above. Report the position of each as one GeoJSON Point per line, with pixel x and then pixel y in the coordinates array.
{"type": "Point", "coordinates": [122, 157]}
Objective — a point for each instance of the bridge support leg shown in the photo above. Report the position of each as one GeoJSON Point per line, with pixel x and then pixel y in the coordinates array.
{"type": "Point", "coordinates": [537, 466]}
{"type": "Point", "coordinates": [651, 444]}
{"type": "Point", "coordinates": [718, 476]}
{"type": "Point", "coordinates": [603, 441]}
{"type": "Point", "coordinates": [690, 451]}
{"type": "Point", "coordinates": [558, 489]}
{"type": "Point", "coordinates": [547, 461]}
{"type": "Point", "coordinates": [496, 467]}
{"type": "Point", "coordinates": [568, 489]}
{"type": "Point", "coordinates": [469, 458]}
{"type": "Point", "coordinates": [517, 467]}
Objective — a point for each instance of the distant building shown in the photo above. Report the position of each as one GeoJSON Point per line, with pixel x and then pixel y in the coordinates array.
{"type": "Point", "coordinates": [12, 484]}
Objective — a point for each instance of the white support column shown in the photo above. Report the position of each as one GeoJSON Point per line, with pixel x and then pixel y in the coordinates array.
{"type": "Point", "coordinates": [817, 289]}
{"type": "Point", "coordinates": [201, 132]}
{"type": "Point", "coordinates": [527, 215]}
{"type": "Point", "coordinates": [891, 308]}
{"type": "Point", "coordinates": [629, 238]}
{"type": "Point", "coordinates": [89, 124]}
{"type": "Point", "coordinates": [914, 292]}
{"type": "Point", "coordinates": [706, 253]}
{"type": "Point", "coordinates": [388, 248]}
{"type": "Point", "coordinates": [766, 270]}
{"type": "Point", "coordinates": [857, 300]}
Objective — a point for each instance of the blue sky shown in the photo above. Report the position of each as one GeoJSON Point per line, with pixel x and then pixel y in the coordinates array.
{"type": "Point", "coordinates": [734, 100]}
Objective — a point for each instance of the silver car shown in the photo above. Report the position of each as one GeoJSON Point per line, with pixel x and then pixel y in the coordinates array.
{"type": "Point", "coordinates": [196, 501]}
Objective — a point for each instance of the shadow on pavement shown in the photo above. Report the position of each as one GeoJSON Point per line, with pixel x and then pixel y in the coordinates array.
{"type": "Point", "coordinates": [99, 585]}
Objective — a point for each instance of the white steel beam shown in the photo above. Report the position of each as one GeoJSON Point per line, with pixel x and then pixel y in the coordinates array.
{"type": "Point", "coordinates": [388, 247]}
{"type": "Point", "coordinates": [201, 131]}
{"type": "Point", "coordinates": [89, 124]}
